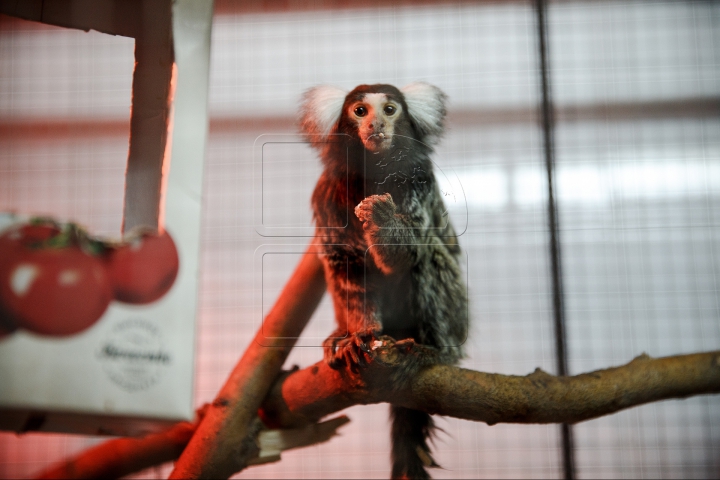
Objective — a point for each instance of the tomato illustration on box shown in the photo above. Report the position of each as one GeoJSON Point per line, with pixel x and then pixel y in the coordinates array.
{"type": "Point", "coordinates": [57, 280]}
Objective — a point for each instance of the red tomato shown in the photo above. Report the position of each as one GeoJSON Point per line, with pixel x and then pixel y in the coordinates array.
{"type": "Point", "coordinates": [30, 235]}
{"type": "Point", "coordinates": [11, 242]}
{"type": "Point", "coordinates": [34, 233]}
{"type": "Point", "coordinates": [50, 290]}
{"type": "Point", "coordinates": [144, 269]}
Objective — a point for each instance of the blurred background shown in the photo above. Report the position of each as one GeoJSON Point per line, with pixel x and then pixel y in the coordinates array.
{"type": "Point", "coordinates": [635, 87]}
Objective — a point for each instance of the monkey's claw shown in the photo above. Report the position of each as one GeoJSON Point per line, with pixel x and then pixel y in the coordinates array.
{"type": "Point", "coordinates": [353, 351]}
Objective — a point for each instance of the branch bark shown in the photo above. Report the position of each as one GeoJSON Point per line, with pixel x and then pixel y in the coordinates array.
{"type": "Point", "coordinates": [301, 397]}
{"type": "Point", "coordinates": [123, 456]}
{"type": "Point", "coordinates": [225, 439]}
{"type": "Point", "coordinates": [307, 395]}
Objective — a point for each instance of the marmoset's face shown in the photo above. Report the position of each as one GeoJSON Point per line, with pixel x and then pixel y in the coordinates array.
{"type": "Point", "coordinates": [376, 116]}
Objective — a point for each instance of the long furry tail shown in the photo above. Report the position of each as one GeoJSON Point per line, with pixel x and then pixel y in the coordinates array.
{"type": "Point", "coordinates": [410, 452]}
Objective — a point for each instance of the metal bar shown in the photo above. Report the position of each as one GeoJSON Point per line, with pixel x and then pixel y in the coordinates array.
{"type": "Point", "coordinates": [548, 126]}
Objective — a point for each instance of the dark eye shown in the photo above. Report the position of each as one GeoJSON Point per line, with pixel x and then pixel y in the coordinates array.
{"type": "Point", "coordinates": [389, 110]}
{"type": "Point", "coordinates": [360, 111]}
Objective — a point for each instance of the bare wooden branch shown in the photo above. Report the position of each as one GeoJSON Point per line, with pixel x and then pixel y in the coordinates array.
{"type": "Point", "coordinates": [301, 397]}
{"type": "Point", "coordinates": [273, 442]}
{"type": "Point", "coordinates": [307, 395]}
{"type": "Point", "coordinates": [225, 439]}
{"type": "Point", "coordinates": [123, 456]}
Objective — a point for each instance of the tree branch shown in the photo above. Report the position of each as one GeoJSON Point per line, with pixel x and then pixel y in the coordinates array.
{"type": "Point", "coordinates": [123, 456]}
{"type": "Point", "coordinates": [307, 395]}
{"type": "Point", "coordinates": [301, 397]}
{"type": "Point", "coordinates": [225, 439]}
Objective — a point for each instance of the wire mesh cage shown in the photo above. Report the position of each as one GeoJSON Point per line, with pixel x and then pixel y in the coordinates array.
{"type": "Point", "coordinates": [635, 91]}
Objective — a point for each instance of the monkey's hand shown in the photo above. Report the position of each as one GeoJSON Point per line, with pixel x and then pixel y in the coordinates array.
{"type": "Point", "coordinates": [349, 350]}
{"type": "Point", "coordinates": [389, 239]}
{"type": "Point", "coordinates": [376, 212]}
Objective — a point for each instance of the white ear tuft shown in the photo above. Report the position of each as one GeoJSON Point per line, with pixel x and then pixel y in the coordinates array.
{"type": "Point", "coordinates": [321, 109]}
{"type": "Point", "coordinates": [426, 105]}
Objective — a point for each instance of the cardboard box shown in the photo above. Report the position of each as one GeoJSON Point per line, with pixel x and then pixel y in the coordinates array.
{"type": "Point", "coordinates": [132, 371]}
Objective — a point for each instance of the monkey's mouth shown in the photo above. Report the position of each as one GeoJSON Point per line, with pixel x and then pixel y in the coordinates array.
{"type": "Point", "coordinates": [377, 142]}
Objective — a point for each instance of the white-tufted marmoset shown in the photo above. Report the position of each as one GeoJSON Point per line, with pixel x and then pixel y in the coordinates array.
{"type": "Point", "coordinates": [390, 254]}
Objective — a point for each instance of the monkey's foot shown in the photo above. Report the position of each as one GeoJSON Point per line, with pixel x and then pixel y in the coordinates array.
{"type": "Point", "coordinates": [351, 350]}
{"type": "Point", "coordinates": [424, 354]}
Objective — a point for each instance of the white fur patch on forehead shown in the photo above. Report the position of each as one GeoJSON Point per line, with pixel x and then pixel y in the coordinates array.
{"type": "Point", "coordinates": [321, 109]}
{"type": "Point", "coordinates": [426, 106]}
{"type": "Point", "coordinates": [375, 99]}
